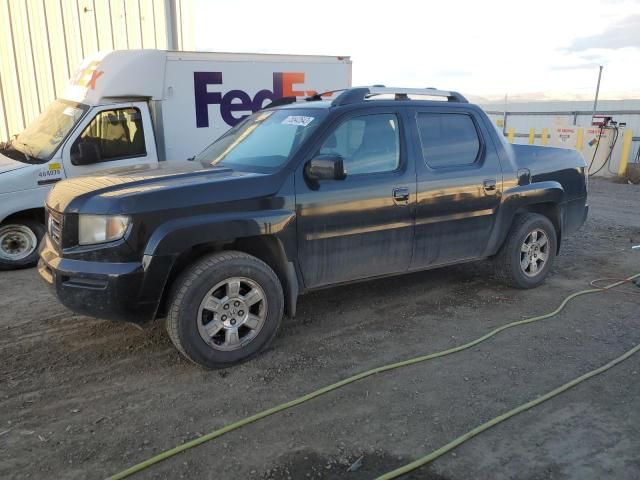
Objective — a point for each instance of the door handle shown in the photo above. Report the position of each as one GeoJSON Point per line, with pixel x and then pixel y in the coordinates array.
{"type": "Point", "coordinates": [401, 195]}
{"type": "Point", "coordinates": [489, 185]}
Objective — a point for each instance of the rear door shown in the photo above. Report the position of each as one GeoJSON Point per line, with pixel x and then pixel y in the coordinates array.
{"type": "Point", "coordinates": [361, 226]}
{"type": "Point", "coordinates": [459, 186]}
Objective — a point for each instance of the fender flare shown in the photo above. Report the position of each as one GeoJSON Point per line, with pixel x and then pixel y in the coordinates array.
{"type": "Point", "coordinates": [177, 235]}
{"type": "Point", "coordinates": [514, 199]}
{"type": "Point", "coordinates": [174, 237]}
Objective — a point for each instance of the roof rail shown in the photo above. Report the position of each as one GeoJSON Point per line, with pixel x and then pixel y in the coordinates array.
{"type": "Point", "coordinates": [359, 94]}
{"type": "Point", "coordinates": [318, 95]}
{"type": "Point", "coordinates": [278, 102]}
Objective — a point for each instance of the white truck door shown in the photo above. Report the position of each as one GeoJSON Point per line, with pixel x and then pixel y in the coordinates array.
{"type": "Point", "coordinates": [111, 136]}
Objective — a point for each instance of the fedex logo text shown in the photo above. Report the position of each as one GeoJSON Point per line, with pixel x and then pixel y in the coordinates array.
{"type": "Point", "coordinates": [236, 101]}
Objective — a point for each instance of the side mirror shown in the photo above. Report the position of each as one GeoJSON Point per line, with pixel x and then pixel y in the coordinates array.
{"type": "Point", "coordinates": [326, 167]}
{"type": "Point", "coordinates": [88, 153]}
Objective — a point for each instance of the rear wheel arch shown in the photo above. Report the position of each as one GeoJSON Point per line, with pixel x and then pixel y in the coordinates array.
{"type": "Point", "coordinates": [550, 210]}
{"type": "Point", "coordinates": [528, 252]}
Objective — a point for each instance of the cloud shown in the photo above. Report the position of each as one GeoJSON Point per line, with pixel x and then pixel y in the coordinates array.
{"type": "Point", "coordinates": [454, 73]}
{"type": "Point", "coordinates": [624, 33]}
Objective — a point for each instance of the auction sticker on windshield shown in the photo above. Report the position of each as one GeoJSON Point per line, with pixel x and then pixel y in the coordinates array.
{"type": "Point", "coordinates": [298, 120]}
{"type": "Point", "coordinates": [71, 112]}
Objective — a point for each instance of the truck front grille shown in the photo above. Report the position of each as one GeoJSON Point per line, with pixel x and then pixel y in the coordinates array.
{"type": "Point", "coordinates": [54, 226]}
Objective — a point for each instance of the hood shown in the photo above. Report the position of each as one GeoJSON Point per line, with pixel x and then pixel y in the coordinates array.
{"type": "Point", "coordinates": [125, 190]}
{"type": "Point", "coordinates": [7, 164]}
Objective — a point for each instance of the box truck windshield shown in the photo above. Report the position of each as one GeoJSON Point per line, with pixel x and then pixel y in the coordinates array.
{"type": "Point", "coordinates": [264, 141]}
{"type": "Point", "coordinates": [42, 137]}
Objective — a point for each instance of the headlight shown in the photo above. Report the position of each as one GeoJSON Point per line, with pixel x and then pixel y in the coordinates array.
{"type": "Point", "coordinates": [94, 229]}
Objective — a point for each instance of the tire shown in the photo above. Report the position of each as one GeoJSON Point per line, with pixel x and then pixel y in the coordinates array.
{"type": "Point", "coordinates": [19, 241]}
{"type": "Point", "coordinates": [526, 244]}
{"type": "Point", "coordinates": [221, 294]}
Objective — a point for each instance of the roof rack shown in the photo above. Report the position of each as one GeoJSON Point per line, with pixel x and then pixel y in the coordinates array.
{"type": "Point", "coordinates": [318, 95]}
{"type": "Point", "coordinates": [278, 102]}
{"type": "Point", "coordinates": [359, 94]}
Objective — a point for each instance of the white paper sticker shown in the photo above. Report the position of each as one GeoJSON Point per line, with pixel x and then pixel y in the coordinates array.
{"type": "Point", "coordinates": [298, 120]}
{"type": "Point", "coordinates": [70, 111]}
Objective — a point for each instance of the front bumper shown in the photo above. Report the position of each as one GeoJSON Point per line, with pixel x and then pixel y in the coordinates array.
{"type": "Point", "coordinates": [129, 292]}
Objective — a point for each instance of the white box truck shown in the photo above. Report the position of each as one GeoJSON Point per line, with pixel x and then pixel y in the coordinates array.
{"type": "Point", "coordinates": [138, 108]}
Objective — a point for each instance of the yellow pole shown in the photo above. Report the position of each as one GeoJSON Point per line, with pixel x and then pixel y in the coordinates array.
{"type": "Point", "coordinates": [532, 136]}
{"type": "Point", "coordinates": [626, 151]}
{"type": "Point", "coordinates": [512, 134]}
{"type": "Point", "coordinates": [579, 139]}
{"type": "Point", "coordinates": [545, 134]}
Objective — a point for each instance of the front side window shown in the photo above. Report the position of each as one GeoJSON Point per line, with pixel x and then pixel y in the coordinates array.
{"type": "Point", "coordinates": [367, 144]}
{"type": "Point", "coordinates": [264, 141]}
{"type": "Point", "coordinates": [113, 134]}
{"type": "Point", "coordinates": [448, 139]}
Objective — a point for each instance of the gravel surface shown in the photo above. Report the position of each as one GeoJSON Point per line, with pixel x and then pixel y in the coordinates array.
{"type": "Point", "coordinates": [83, 398]}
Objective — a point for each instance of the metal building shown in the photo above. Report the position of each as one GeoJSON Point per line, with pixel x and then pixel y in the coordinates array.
{"type": "Point", "coordinates": [535, 122]}
{"type": "Point", "coordinates": [43, 41]}
{"type": "Point", "coordinates": [523, 116]}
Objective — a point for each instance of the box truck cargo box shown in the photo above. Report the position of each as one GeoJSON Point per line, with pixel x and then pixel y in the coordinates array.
{"type": "Point", "coordinates": [139, 107]}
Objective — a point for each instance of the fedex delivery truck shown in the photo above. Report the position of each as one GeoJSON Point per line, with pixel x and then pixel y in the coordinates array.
{"type": "Point", "coordinates": [137, 108]}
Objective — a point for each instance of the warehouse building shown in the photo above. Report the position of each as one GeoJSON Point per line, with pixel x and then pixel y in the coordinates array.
{"type": "Point", "coordinates": [43, 41]}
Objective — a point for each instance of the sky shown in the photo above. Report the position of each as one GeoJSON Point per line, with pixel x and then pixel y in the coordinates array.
{"type": "Point", "coordinates": [485, 49]}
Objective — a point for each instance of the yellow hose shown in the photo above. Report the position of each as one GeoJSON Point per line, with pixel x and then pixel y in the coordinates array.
{"type": "Point", "coordinates": [428, 458]}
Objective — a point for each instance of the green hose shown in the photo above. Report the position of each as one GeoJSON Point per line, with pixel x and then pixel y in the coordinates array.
{"type": "Point", "coordinates": [501, 418]}
{"type": "Point", "coordinates": [284, 406]}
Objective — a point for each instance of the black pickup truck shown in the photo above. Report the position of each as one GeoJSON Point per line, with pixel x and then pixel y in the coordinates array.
{"type": "Point", "coordinates": [305, 195]}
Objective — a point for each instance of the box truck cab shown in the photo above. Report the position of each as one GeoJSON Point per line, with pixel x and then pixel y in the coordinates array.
{"type": "Point", "coordinates": [132, 109]}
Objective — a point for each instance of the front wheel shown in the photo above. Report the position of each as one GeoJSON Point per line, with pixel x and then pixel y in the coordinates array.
{"type": "Point", "coordinates": [528, 252]}
{"type": "Point", "coordinates": [19, 242]}
{"type": "Point", "coordinates": [225, 309]}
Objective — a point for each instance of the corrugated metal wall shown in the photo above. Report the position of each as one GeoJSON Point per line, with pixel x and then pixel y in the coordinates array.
{"type": "Point", "coordinates": [42, 42]}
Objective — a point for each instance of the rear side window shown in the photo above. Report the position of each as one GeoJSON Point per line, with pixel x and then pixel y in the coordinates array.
{"type": "Point", "coordinates": [448, 139]}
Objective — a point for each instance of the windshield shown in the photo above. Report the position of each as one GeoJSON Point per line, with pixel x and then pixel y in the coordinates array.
{"type": "Point", "coordinates": [264, 141]}
{"type": "Point", "coordinates": [39, 141]}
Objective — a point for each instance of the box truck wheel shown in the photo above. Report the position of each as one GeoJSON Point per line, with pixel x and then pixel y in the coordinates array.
{"type": "Point", "coordinates": [225, 309]}
{"type": "Point", "coordinates": [19, 240]}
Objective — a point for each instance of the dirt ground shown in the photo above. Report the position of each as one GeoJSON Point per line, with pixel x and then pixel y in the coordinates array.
{"type": "Point", "coordinates": [82, 398]}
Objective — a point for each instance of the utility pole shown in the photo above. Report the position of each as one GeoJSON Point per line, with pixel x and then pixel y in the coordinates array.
{"type": "Point", "coordinates": [595, 102]}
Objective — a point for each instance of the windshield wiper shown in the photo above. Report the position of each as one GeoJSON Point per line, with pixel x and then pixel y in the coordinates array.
{"type": "Point", "coordinates": [29, 156]}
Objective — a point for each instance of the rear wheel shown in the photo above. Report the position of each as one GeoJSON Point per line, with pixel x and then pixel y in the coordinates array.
{"type": "Point", "coordinates": [528, 252]}
{"type": "Point", "coordinates": [225, 309]}
{"type": "Point", "coordinates": [19, 240]}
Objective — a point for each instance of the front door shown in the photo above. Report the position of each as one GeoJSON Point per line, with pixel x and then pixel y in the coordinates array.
{"type": "Point", "coordinates": [361, 226]}
{"type": "Point", "coordinates": [459, 186]}
{"type": "Point", "coordinates": [110, 137]}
